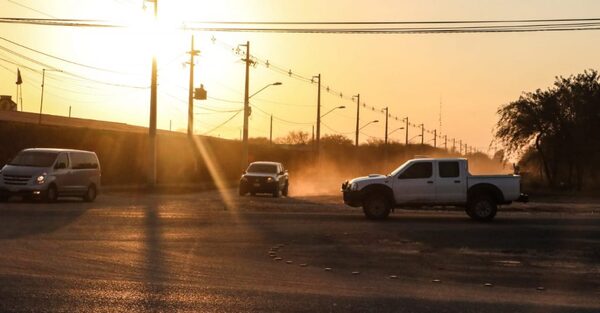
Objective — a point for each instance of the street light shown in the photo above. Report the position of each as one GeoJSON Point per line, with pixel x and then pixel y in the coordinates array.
{"type": "Point", "coordinates": [265, 87]}
{"type": "Point", "coordinates": [340, 107]}
{"type": "Point", "coordinates": [247, 109]}
{"type": "Point", "coordinates": [414, 137]}
{"type": "Point", "coordinates": [395, 130]}
{"type": "Point", "coordinates": [369, 123]}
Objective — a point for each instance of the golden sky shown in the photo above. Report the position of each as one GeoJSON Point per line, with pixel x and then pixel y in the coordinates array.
{"type": "Point", "coordinates": [471, 75]}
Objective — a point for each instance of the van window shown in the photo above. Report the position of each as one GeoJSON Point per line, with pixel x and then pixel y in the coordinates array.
{"type": "Point", "coordinates": [449, 169]}
{"type": "Point", "coordinates": [418, 170]}
{"type": "Point", "coordinates": [83, 161]}
{"type": "Point", "coordinates": [62, 159]}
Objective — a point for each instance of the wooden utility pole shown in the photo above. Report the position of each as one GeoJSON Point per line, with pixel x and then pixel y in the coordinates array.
{"type": "Point", "coordinates": [193, 53]}
{"type": "Point", "coordinates": [318, 139]}
{"type": "Point", "coordinates": [357, 118]}
{"type": "Point", "coordinates": [246, 108]}
{"type": "Point", "coordinates": [271, 131]}
{"type": "Point", "coordinates": [153, 110]}
{"type": "Point", "coordinates": [386, 125]}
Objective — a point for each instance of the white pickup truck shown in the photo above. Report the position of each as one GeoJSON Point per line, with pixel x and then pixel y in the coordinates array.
{"type": "Point", "coordinates": [433, 182]}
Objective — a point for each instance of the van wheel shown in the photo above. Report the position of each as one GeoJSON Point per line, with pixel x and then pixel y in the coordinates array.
{"type": "Point", "coordinates": [376, 206]}
{"type": "Point", "coordinates": [482, 208]}
{"type": "Point", "coordinates": [51, 194]}
{"type": "Point", "coordinates": [90, 194]}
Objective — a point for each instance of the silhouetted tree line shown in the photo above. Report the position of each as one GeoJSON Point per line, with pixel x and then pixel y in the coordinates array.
{"type": "Point", "coordinates": [556, 132]}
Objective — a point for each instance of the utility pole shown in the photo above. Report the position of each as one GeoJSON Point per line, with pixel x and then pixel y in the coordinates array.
{"type": "Point", "coordinates": [246, 108]}
{"type": "Point", "coordinates": [318, 139]}
{"type": "Point", "coordinates": [453, 144]}
{"type": "Point", "coordinates": [313, 134]}
{"type": "Point", "coordinates": [422, 134]}
{"type": "Point", "coordinates": [42, 96]}
{"type": "Point", "coordinates": [460, 146]}
{"type": "Point", "coordinates": [435, 138]}
{"type": "Point", "coordinates": [271, 131]}
{"type": "Point", "coordinates": [446, 142]}
{"type": "Point", "coordinates": [386, 125]}
{"type": "Point", "coordinates": [192, 53]}
{"type": "Point", "coordinates": [357, 118]}
{"type": "Point", "coordinates": [69, 111]}
{"type": "Point", "coordinates": [406, 129]}
{"type": "Point", "coordinates": [153, 110]}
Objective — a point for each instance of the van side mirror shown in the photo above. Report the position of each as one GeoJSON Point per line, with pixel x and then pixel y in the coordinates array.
{"type": "Point", "coordinates": [60, 166]}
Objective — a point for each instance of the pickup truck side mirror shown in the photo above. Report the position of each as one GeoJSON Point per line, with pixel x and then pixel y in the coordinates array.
{"type": "Point", "coordinates": [282, 172]}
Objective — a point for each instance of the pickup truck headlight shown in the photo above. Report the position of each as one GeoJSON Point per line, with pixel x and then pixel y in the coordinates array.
{"type": "Point", "coordinates": [353, 187]}
{"type": "Point", "coordinates": [244, 179]}
{"type": "Point", "coordinates": [40, 179]}
{"type": "Point", "coordinates": [270, 179]}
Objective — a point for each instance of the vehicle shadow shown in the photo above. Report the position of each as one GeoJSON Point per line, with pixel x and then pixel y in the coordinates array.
{"type": "Point", "coordinates": [154, 269]}
{"type": "Point", "coordinates": [26, 218]}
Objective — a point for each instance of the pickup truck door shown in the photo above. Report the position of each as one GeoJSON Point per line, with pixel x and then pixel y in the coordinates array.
{"type": "Point", "coordinates": [451, 182]}
{"type": "Point", "coordinates": [415, 184]}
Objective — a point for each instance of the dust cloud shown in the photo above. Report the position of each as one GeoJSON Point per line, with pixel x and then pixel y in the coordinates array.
{"type": "Point", "coordinates": [324, 178]}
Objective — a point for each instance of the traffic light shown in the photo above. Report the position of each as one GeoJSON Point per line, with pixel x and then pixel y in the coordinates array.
{"type": "Point", "coordinates": [200, 93]}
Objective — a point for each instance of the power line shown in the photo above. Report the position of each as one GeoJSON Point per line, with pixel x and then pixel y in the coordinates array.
{"type": "Point", "coordinates": [222, 124]}
{"type": "Point", "coordinates": [31, 9]}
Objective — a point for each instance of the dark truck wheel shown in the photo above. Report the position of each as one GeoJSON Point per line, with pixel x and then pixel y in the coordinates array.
{"type": "Point", "coordinates": [276, 191]}
{"type": "Point", "coordinates": [242, 191]}
{"type": "Point", "coordinates": [376, 206]}
{"type": "Point", "coordinates": [482, 208]}
{"type": "Point", "coordinates": [285, 190]}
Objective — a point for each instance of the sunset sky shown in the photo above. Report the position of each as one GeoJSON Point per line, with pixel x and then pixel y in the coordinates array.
{"type": "Point", "coordinates": [470, 75]}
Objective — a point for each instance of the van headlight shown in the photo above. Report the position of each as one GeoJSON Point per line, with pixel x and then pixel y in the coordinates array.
{"type": "Point", "coordinates": [270, 179]}
{"type": "Point", "coordinates": [40, 179]}
{"type": "Point", "coordinates": [353, 187]}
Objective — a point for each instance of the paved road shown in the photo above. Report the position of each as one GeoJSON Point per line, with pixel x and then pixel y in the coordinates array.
{"type": "Point", "coordinates": [194, 252]}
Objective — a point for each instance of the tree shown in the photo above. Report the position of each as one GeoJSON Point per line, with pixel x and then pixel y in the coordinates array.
{"type": "Point", "coordinates": [294, 138]}
{"type": "Point", "coordinates": [562, 123]}
{"type": "Point", "coordinates": [335, 140]}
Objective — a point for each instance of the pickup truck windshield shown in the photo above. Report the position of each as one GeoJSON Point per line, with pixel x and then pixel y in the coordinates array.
{"type": "Point", "coordinates": [262, 168]}
{"type": "Point", "coordinates": [34, 159]}
{"type": "Point", "coordinates": [399, 169]}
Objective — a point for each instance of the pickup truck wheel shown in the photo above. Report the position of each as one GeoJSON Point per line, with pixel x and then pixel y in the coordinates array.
{"type": "Point", "coordinates": [376, 207]}
{"type": "Point", "coordinates": [242, 191]}
{"type": "Point", "coordinates": [482, 209]}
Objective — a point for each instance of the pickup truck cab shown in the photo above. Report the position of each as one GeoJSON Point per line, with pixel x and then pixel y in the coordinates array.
{"type": "Point", "coordinates": [433, 182]}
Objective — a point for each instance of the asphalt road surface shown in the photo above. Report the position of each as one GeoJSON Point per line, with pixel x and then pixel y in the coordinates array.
{"type": "Point", "coordinates": [197, 253]}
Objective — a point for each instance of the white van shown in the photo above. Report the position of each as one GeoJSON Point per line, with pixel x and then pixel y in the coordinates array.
{"type": "Point", "coordinates": [50, 173]}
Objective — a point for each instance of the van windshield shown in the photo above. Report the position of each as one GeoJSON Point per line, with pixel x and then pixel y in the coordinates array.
{"type": "Point", "coordinates": [34, 159]}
